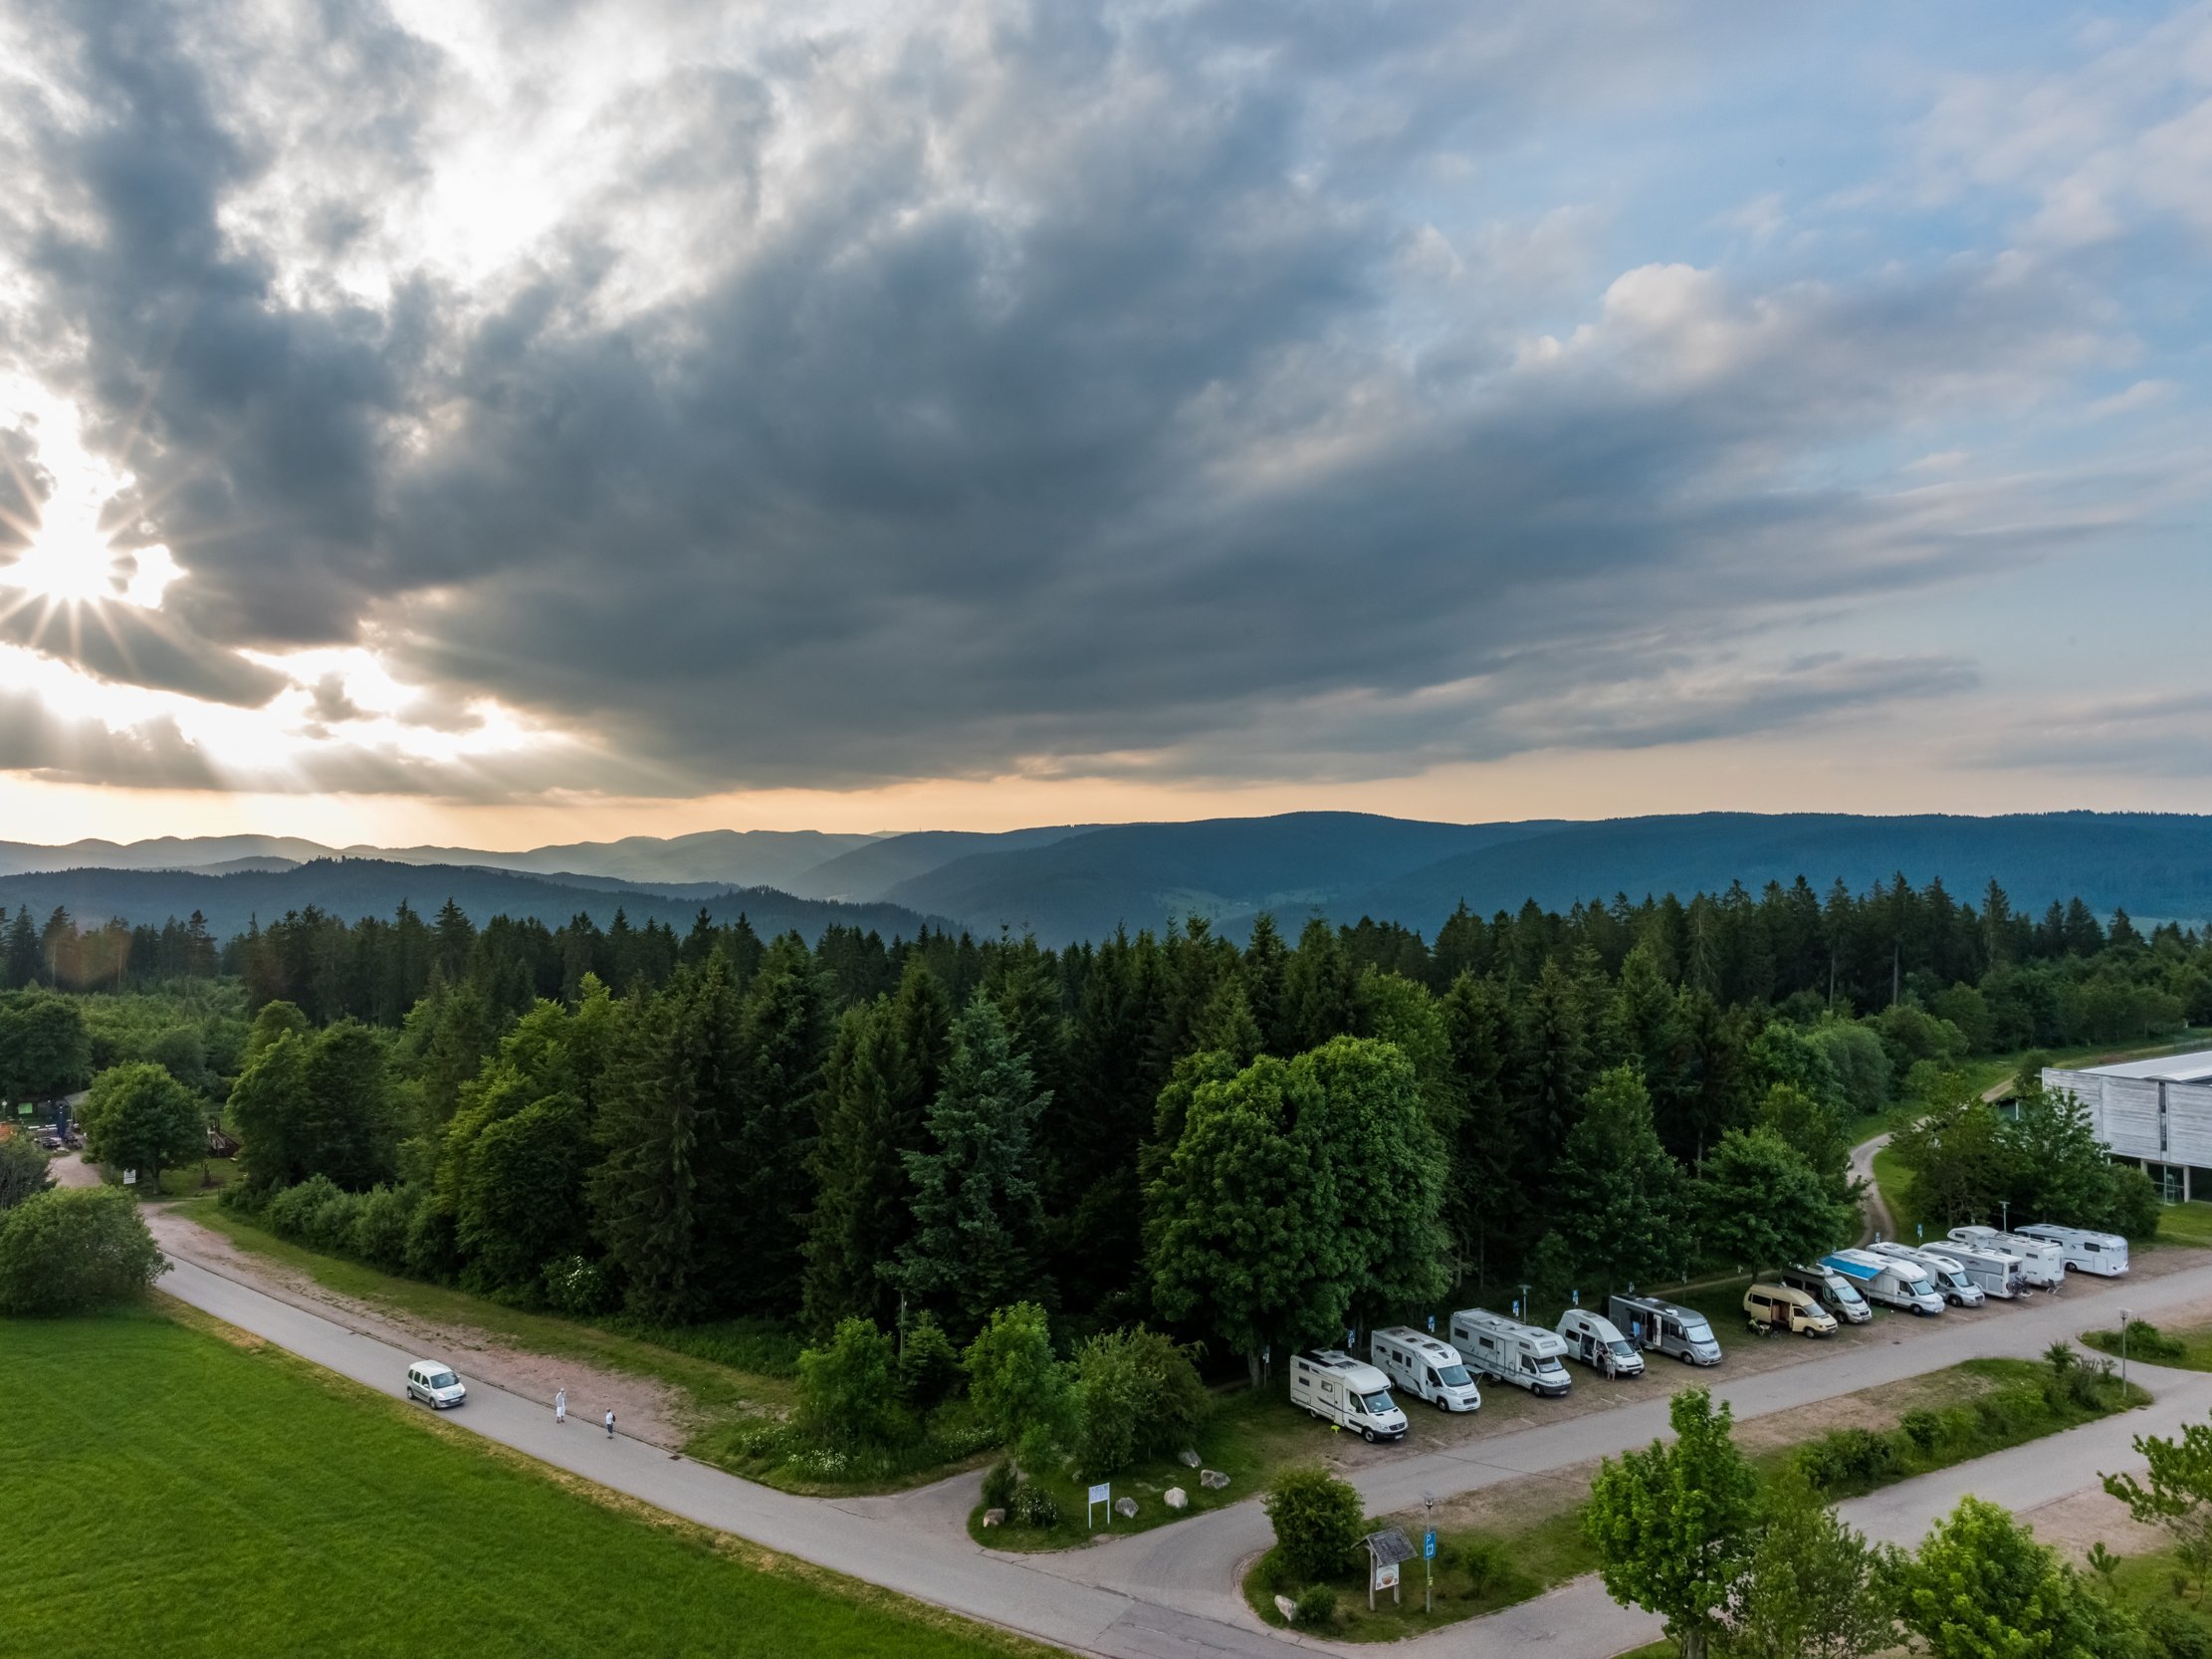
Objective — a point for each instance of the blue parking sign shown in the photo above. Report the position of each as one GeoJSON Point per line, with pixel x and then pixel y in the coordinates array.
{"type": "Point", "coordinates": [1428, 1544]}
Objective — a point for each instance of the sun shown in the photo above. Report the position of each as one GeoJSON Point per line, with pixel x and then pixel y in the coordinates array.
{"type": "Point", "coordinates": [70, 558]}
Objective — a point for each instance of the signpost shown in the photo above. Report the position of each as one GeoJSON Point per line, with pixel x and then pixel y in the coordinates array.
{"type": "Point", "coordinates": [1103, 1492]}
{"type": "Point", "coordinates": [131, 1177]}
{"type": "Point", "coordinates": [1385, 1551]}
{"type": "Point", "coordinates": [1428, 1553]}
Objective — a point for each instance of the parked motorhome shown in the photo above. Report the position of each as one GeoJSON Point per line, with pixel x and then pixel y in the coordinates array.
{"type": "Point", "coordinates": [2104, 1254]}
{"type": "Point", "coordinates": [1526, 1355]}
{"type": "Point", "coordinates": [1666, 1326]}
{"type": "Point", "coordinates": [1830, 1289]}
{"type": "Point", "coordinates": [1780, 1307]}
{"type": "Point", "coordinates": [1996, 1271]}
{"type": "Point", "coordinates": [1424, 1369]}
{"type": "Point", "coordinates": [1888, 1280]}
{"type": "Point", "coordinates": [2041, 1263]}
{"type": "Point", "coordinates": [1949, 1278]}
{"type": "Point", "coordinates": [1593, 1339]}
{"type": "Point", "coordinates": [1347, 1393]}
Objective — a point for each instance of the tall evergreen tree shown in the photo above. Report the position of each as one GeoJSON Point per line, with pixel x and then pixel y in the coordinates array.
{"type": "Point", "coordinates": [1619, 1208]}
{"type": "Point", "coordinates": [861, 1215]}
{"type": "Point", "coordinates": [784, 1036]}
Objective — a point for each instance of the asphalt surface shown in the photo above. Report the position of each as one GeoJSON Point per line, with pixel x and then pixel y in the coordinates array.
{"type": "Point", "coordinates": [1172, 1593]}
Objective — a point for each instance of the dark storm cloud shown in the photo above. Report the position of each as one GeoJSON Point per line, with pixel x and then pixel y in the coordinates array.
{"type": "Point", "coordinates": [1048, 386]}
{"type": "Point", "coordinates": [155, 755]}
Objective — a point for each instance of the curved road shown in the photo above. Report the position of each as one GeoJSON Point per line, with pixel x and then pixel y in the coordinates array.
{"type": "Point", "coordinates": [1172, 1593]}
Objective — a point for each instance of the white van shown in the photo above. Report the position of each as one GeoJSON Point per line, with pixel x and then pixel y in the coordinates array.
{"type": "Point", "coordinates": [1948, 1277]}
{"type": "Point", "coordinates": [1653, 1323]}
{"type": "Point", "coordinates": [1831, 1289]}
{"type": "Point", "coordinates": [1887, 1280]}
{"type": "Point", "coordinates": [1996, 1272]}
{"type": "Point", "coordinates": [1526, 1355]}
{"type": "Point", "coordinates": [1425, 1367]}
{"type": "Point", "coordinates": [2104, 1254]}
{"type": "Point", "coordinates": [1339, 1389]}
{"type": "Point", "coordinates": [434, 1384]}
{"type": "Point", "coordinates": [2041, 1263]}
{"type": "Point", "coordinates": [1592, 1338]}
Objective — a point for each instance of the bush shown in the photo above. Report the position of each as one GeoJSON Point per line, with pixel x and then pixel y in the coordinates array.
{"type": "Point", "coordinates": [1013, 1378]}
{"type": "Point", "coordinates": [2147, 1341]}
{"type": "Point", "coordinates": [380, 1226]}
{"type": "Point", "coordinates": [1923, 1429]}
{"type": "Point", "coordinates": [1315, 1608]}
{"type": "Point", "coordinates": [73, 1248]}
{"type": "Point", "coordinates": [1036, 1507]}
{"type": "Point", "coordinates": [291, 1210]}
{"type": "Point", "coordinates": [2174, 1634]}
{"type": "Point", "coordinates": [1136, 1394]}
{"type": "Point", "coordinates": [928, 1368]}
{"type": "Point", "coordinates": [845, 1393]}
{"type": "Point", "coordinates": [577, 1286]}
{"type": "Point", "coordinates": [2132, 1206]}
{"type": "Point", "coordinates": [330, 1225]}
{"type": "Point", "coordinates": [1849, 1460]}
{"type": "Point", "coordinates": [1482, 1561]}
{"type": "Point", "coordinates": [1000, 1483]}
{"type": "Point", "coordinates": [23, 1171]}
{"type": "Point", "coordinates": [1318, 1521]}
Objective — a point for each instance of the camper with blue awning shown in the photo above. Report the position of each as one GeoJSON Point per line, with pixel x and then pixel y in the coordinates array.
{"type": "Point", "coordinates": [1887, 1280]}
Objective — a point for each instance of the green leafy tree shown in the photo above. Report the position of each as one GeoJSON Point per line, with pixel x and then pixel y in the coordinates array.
{"type": "Point", "coordinates": [23, 1171]}
{"type": "Point", "coordinates": [1136, 1394]}
{"type": "Point", "coordinates": [1958, 1157]}
{"type": "Point", "coordinates": [847, 1396]}
{"type": "Point", "coordinates": [73, 1248]}
{"type": "Point", "coordinates": [1620, 1207]}
{"type": "Point", "coordinates": [1675, 1524]}
{"type": "Point", "coordinates": [1981, 1588]}
{"type": "Point", "coordinates": [1759, 1203]}
{"type": "Point", "coordinates": [1811, 1588]}
{"type": "Point", "coordinates": [1812, 1129]}
{"type": "Point", "coordinates": [1016, 1384]}
{"type": "Point", "coordinates": [272, 1020]}
{"type": "Point", "coordinates": [2177, 1494]}
{"type": "Point", "coordinates": [1318, 1521]}
{"type": "Point", "coordinates": [929, 1364]}
{"type": "Point", "coordinates": [137, 1117]}
{"type": "Point", "coordinates": [522, 1204]}
{"type": "Point", "coordinates": [45, 1049]}
{"type": "Point", "coordinates": [976, 1215]}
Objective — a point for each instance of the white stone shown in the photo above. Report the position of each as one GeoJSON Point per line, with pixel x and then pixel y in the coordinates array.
{"type": "Point", "coordinates": [1177, 1499]}
{"type": "Point", "coordinates": [1213, 1479]}
{"type": "Point", "coordinates": [1289, 1608]}
{"type": "Point", "coordinates": [994, 1517]}
{"type": "Point", "coordinates": [1189, 1458]}
{"type": "Point", "coordinates": [1126, 1508]}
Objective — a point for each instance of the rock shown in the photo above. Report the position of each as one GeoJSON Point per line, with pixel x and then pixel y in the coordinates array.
{"type": "Point", "coordinates": [1126, 1508]}
{"type": "Point", "coordinates": [1177, 1499]}
{"type": "Point", "coordinates": [994, 1517]}
{"type": "Point", "coordinates": [1189, 1459]}
{"type": "Point", "coordinates": [1289, 1608]}
{"type": "Point", "coordinates": [1213, 1479]}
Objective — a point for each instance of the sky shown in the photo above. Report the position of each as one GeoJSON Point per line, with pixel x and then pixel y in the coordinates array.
{"type": "Point", "coordinates": [501, 424]}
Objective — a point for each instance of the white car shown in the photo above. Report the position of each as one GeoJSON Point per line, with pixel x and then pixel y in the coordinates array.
{"type": "Point", "coordinates": [434, 1384]}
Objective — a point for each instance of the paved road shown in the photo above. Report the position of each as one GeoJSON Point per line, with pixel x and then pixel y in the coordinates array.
{"type": "Point", "coordinates": [1171, 1593]}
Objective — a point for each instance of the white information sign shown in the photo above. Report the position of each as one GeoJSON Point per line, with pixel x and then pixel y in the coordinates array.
{"type": "Point", "coordinates": [1103, 1492]}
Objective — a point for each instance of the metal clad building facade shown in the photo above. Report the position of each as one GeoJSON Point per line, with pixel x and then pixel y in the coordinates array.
{"type": "Point", "coordinates": [2155, 1112]}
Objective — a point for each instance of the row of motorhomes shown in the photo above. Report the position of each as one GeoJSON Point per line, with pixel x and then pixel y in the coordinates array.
{"type": "Point", "coordinates": [1971, 1265]}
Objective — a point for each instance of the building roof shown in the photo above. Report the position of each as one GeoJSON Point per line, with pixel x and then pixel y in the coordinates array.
{"type": "Point", "coordinates": [2172, 1068]}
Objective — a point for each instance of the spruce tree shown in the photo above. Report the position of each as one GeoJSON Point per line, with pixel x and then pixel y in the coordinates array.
{"type": "Point", "coordinates": [784, 1036]}
{"type": "Point", "coordinates": [861, 1214]}
{"type": "Point", "coordinates": [1620, 1205]}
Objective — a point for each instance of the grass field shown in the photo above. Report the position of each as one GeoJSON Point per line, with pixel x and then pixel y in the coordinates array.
{"type": "Point", "coordinates": [182, 1489]}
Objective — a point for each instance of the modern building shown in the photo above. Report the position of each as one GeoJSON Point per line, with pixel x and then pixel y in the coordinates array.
{"type": "Point", "coordinates": [2155, 1112]}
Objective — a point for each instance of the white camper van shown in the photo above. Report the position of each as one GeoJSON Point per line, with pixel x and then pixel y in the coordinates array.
{"type": "Point", "coordinates": [1949, 1278]}
{"type": "Point", "coordinates": [1888, 1280]}
{"type": "Point", "coordinates": [2104, 1254]}
{"type": "Point", "coordinates": [1425, 1367]}
{"type": "Point", "coordinates": [1666, 1326]}
{"type": "Point", "coordinates": [1339, 1389]}
{"type": "Point", "coordinates": [1996, 1271]}
{"type": "Point", "coordinates": [1830, 1289]}
{"type": "Point", "coordinates": [1526, 1355]}
{"type": "Point", "coordinates": [1592, 1339]}
{"type": "Point", "coordinates": [2041, 1263]}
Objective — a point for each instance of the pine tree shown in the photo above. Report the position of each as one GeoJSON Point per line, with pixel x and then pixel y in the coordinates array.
{"type": "Point", "coordinates": [784, 1035]}
{"type": "Point", "coordinates": [977, 1221]}
{"type": "Point", "coordinates": [861, 1215]}
{"type": "Point", "coordinates": [1620, 1203]}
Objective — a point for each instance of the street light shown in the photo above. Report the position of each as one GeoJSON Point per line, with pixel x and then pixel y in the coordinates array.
{"type": "Point", "coordinates": [2125, 1316]}
{"type": "Point", "coordinates": [1428, 1553]}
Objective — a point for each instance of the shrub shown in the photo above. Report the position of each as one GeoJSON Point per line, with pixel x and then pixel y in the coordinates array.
{"type": "Point", "coordinates": [330, 1225]}
{"type": "Point", "coordinates": [1136, 1394]}
{"type": "Point", "coordinates": [1923, 1429]}
{"type": "Point", "coordinates": [433, 1248]}
{"type": "Point", "coordinates": [1315, 1608]}
{"type": "Point", "coordinates": [999, 1482]}
{"type": "Point", "coordinates": [1848, 1460]}
{"type": "Point", "coordinates": [242, 1198]}
{"type": "Point", "coordinates": [929, 1368]}
{"type": "Point", "coordinates": [1318, 1521]}
{"type": "Point", "coordinates": [1036, 1507]}
{"type": "Point", "coordinates": [73, 1248]}
{"type": "Point", "coordinates": [23, 1169]}
{"type": "Point", "coordinates": [2147, 1341]}
{"type": "Point", "coordinates": [2174, 1634]}
{"type": "Point", "coordinates": [291, 1208]}
{"type": "Point", "coordinates": [578, 1286]}
{"type": "Point", "coordinates": [2131, 1207]}
{"type": "Point", "coordinates": [845, 1395]}
{"type": "Point", "coordinates": [1482, 1561]}
{"type": "Point", "coordinates": [1013, 1378]}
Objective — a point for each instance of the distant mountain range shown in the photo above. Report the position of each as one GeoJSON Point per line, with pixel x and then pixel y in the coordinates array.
{"type": "Point", "coordinates": [1080, 881]}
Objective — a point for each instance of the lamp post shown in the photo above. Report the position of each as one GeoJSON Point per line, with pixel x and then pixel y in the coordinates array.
{"type": "Point", "coordinates": [1428, 1553]}
{"type": "Point", "coordinates": [2125, 1316]}
{"type": "Point", "coordinates": [2004, 1214]}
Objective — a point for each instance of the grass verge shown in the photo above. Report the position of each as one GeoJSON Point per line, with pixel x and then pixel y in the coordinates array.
{"type": "Point", "coordinates": [205, 1494]}
{"type": "Point", "coordinates": [2183, 1350]}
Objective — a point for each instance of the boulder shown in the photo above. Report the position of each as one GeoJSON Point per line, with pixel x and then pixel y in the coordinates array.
{"type": "Point", "coordinates": [994, 1517]}
{"type": "Point", "coordinates": [1213, 1479]}
{"type": "Point", "coordinates": [1126, 1508]}
{"type": "Point", "coordinates": [1177, 1499]}
{"type": "Point", "coordinates": [1289, 1608]}
{"type": "Point", "coordinates": [1189, 1458]}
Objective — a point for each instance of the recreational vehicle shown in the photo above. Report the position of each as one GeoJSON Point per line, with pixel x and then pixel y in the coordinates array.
{"type": "Point", "coordinates": [1948, 1277]}
{"type": "Point", "coordinates": [1523, 1354]}
{"type": "Point", "coordinates": [1831, 1289]}
{"type": "Point", "coordinates": [1996, 1271]}
{"type": "Point", "coordinates": [2104, 1254]}
{"type": "Point", "coordinates": [1667, 1327]}
{"type": "Point", "coordinates": [2041, 1263]}
{"type": "Point", "coordinates": [1425, 1367]}
{"type": "Point", "coordinates": [1339, 1389]}
{"type": "Point", "coordinates": [1779, 1307]}
{"type": "Point", "coordinates": [1592, 1338]}
{"type": "Point", "coordinates": [1888, 1280]}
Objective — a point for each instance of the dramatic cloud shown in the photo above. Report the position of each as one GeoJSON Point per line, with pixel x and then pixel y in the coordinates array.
{"type": "Point", "coordinates": [661, 399]}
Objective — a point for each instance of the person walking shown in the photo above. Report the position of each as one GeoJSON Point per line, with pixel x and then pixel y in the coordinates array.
{"type": "Point", "coordinates": [560, 1408]}
{"type": "Point", "coordinates": [610, 1422]}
